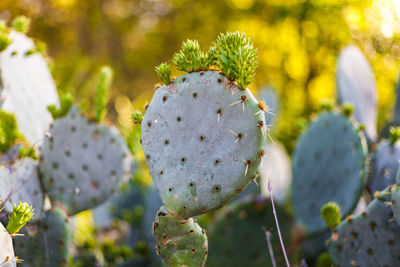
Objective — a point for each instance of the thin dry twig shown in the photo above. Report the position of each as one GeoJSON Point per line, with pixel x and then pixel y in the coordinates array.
{"type": "Point", "coordinates": [271, 252]}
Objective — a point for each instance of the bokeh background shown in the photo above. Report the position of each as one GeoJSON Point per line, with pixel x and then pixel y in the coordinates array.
{"type": "Point", "coordinates": [298, 43]}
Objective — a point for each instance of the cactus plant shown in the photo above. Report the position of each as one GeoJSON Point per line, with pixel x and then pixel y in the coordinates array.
{"type": "Point", "coordinates": [329, 162]}
{"type": "Point", "coordinates": [242, 221]}
{"type": "Point", "coordinates": [396, 198]}
{"type": "Point", "coordinates": [356, 85]}
{"type": "Point", "coordinates": [82, 162]}
{"type": "Point", "coordinates": [46, 241]}
{"type": "Point", "coordinates": [27, 87]}
{"type": "Point", "coordinates": [180, 242]}
{"type": "Point", "coordinates": [367, 239]}
{"type": "Point", "coordinates": [385, 162]}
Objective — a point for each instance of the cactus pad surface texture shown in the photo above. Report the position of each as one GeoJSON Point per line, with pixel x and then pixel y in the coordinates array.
{"type": "Point", "coordinates": [6, 248]}
{"type": "Point", "coordinates": [83, 162]}
{"type": "Point", "coordinates": [180, 242]}
{"type": "Point", "coordinates": [202, 150]}
{"type": "Point", "coordinates": [368, 239]}
{"type": "Point", "coordinates": [27, 87]}
{"type": "Point", "coordinates": [328, 163]}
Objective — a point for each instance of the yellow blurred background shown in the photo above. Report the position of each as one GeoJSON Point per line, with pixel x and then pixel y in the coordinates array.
{"type": "Point", "coordinates": [298, 43]}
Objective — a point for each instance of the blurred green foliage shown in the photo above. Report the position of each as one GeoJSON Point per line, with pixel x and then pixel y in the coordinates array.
{"type": "Point", "coordinates": [298, 42]}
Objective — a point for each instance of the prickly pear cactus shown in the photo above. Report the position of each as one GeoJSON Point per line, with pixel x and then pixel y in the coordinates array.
{"type": "Point", "coordinates": [7, 258]}
{"type": "Point", "coordinates": [368, 239]}
{"type": "Point", "coordinates": [20, 183]}
{"type": "Point", "coordinates": [385, 162]}
{"type": "Point", "coordinates": [82, 163]}
{"type": "Point", "coordinates": [180, 242]}
{"type": "Point", "coordinates": [276, 168]}
{"type": "Point", "coordinates": [356, 85]}
{"type": "Point", "coordinates": [242, 222]}
{"type": "Point", "coordinates": [26, 87]}
{"type": "Point", "coordinates": [46, 241]}
{"type": "Point", "coordinates": [328, 163]}
{"type": "Point", "coordinates": [396, 198]}
{"type": "Point", "coordinates": [202, 149]}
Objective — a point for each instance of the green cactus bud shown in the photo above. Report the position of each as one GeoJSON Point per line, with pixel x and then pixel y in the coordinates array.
{"type": "Point", "coordinates": [348, 109]}
{"type": "Point", "coordinates": [326, 105]}
{"type": "Point", "coordinates": [137, 117]}
{"type": "Point", "coordinates": [330, 213]}
{"type": "Point", "coordinates": [27, 152]}
{"type": "Point", "coordinates": [21, 24]}
{"type": "Point", "coordinates": [4, 41]}
{"type": "Point", "coordinates": [164, 73]}
{"type": "Point", "coordinates": [324, 260]}
{"type": "Point", "coordinates": [191, 58]}
{"type": "Point", "coordinates": [394, 135]}
{"type": "Point", "coordinates": [236, 57]}
{"type": "Point", "coordinates": [101, 97]}
{"type": "Point", "coordinates": [18, 217]}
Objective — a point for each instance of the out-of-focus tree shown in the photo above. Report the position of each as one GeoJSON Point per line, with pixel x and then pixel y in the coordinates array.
{"type": "Point", "coordinates": [298, 43]}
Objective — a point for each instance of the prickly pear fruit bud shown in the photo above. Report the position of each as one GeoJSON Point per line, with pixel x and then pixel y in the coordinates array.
{"type": "Point", "coordinates": [18, 217]}
{"type": "Point", "coordinates": [180, 242]}
{"type": "Point", "coordinates": [330, 213]}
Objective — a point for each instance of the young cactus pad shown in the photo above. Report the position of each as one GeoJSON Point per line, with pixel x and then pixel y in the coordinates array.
{"type": "Point", "coordinates": [356, 85]}
{"type": "Point", "coordinates": [20, 182]}
{"type": "Point", "coordinates": [7, 258]}
{"type": "Point", "coordinates": [237, 238]}
{"type": "Point", "coordinates": [46, 242]}
{"type": "Point", "coordinates": [368, 239]}
{"type": "Point", "coordinates": [203, 139]}
{"type": "Point", "coordinates": [27, 87]}
{"type": "Point", "coordinates": [180, 242]}
{"type": "Point", "coordinates": [328, 163]}
{"type": "Point", "coordinates": [82, 163]}
{"type": "Point", "coordinates": [385, 162]}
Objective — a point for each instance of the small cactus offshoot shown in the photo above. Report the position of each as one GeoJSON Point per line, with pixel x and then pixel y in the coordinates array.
{"type": "Point", "coordinates": [236, 57]}
{"type": "Point", "coordinates": [66, 102]}
{"type": "Point", "coordinates": [21, 24]}
{"type": "Point", "coordinates": [18, 217]}
{"type": "Point", "coordinates": [101, 97]}
{"type": "Point", "coordinates": [348, 109]}
{"type": "Point", "coordinates": [326, 105]}
{"type": "Point", "coordinates": [330, 213]}
{"type": "Point", "coordinates": [191, 58]}
{"type": "Point", "coordinates": [394, 135]}
{"type": "Point", "coordinates": [164, 73]}
{"type": "Point", "coordinates": [137, 117]}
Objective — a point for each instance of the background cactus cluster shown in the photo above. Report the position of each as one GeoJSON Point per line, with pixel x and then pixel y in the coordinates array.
{"type": "Point", "coordinates": [221, 181]}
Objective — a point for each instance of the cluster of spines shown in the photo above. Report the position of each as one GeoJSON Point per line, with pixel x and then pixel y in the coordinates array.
{"type": "Point", "coordinates": [233, 54]}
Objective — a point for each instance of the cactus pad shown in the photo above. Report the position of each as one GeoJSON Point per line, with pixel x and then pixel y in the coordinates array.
{"type": "Point", "coordinates": [328, 164]}
{"type": "Point", "coordinates": [46, 241]}
{"type": "Point", "coordinates": [203, 139]}
{"type": "Point", "coordinates": [368, 239]}
{"type": "Point", "coordinates": [82, 163]}
{"type": "Point", "coordinates": [20, 183]}
{"type": "Point", "coordinates": [356, 85]}
{"type": "Point", "coordinates": [237, 237]}
{"type": "Point", "coordinates": [385, 162]}
{"type": "Point", "coordinates": [26, 87]}
{"type": "Point", "coordinates": [7, 258]}
{"type": "Point", "coordinates": [180, 242]}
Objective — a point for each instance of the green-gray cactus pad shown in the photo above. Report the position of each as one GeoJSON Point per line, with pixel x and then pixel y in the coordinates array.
{"type": "Point", "coordinates": [27, 87]}
{"type": "Point", "coordinates": [368, 239]}
{"type": "Point", "coordinates": [46, 241]}
{"type": "Point", "coordinates": [180, 242]}
{"type": "Point", "coordinates": [385, 162]}
{"type": "Point", "coordinates": [82, 163]}
{"type": "Point", "coordinates": [237, 238]}
{"type": "Point", "coordinates": [202, 150]}
{"type": "Point", "coordinates": [328, 164]}
{"type": "Point", "coordinates": [20, 183]}
{"type": "Point", "coordinates": [396, 198]}
{"type": "Point", "coordinates": [7, 258]}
